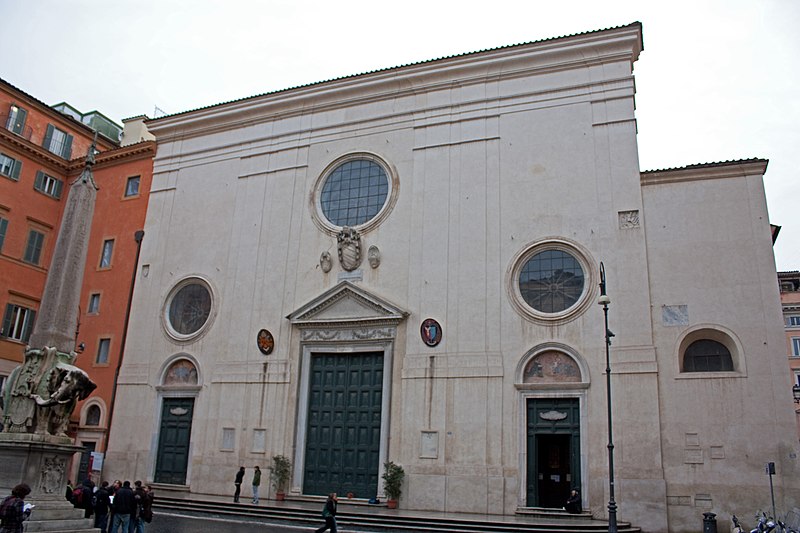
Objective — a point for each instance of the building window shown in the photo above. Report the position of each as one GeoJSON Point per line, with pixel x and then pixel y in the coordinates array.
{"type": "Point", "coordinates": [108, 251]}
{"type": "Point", "coordinates": [94, 304]}
{"type": "Point", "coordinates": [102, 351]}
{"type": "Point", "coordinates": [16, 119]}
{"type": "Point", "coordinates": [58, 142]}
{"type": "Point", "coordinates": [707, 355]}
{"type": "Point", "coordinates": [795, 346]}
{"type": "Point", "coordinates": [93, 415]}
{"type": "Point", "coordinates": [33, 250]}
{"type": "Point", "coordinates": [18, 322]}
{"type": "Point", "coordinates": [794, 320]}
{"type": "Point", "coordinates": [10, 167]}
{"type": "Point", "coordinates": [188, 308]}
{"type": "Point", "coordinates": [354, 193]}
{"type": "Point", "coordinates": [551, 281]}
{"type": "Point", "coordinates": [48, 184]}
{"type": "Point", "coordinates": [228, 439]}
{"type": "Point", "coordinates": [259, 440]}
{"type": "Point", "coordinates": [3, 229]}
{"type": "Point", "coordinates": [132, 186]}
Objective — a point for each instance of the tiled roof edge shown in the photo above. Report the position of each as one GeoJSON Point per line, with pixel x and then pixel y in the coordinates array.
{"type": "Point", "coordinates": [398, 67]}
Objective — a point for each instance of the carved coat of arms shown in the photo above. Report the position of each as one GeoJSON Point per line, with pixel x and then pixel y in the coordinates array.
{"type": "Point", "coordinates": [349, 244]}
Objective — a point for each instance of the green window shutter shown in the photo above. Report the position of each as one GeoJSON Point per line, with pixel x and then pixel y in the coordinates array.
{"type": "Point", "coordinates": [33, 250]}
{"type": "Point", "coordinates": [38, 182]}
{"type": "Point", "coordinates": [15, 169]}
{"type": "Point", "coordinates": [30, 317]}
{"type": "Point", "coordinates": [7, 320]}
{"type": "Point", "coordinates": [19, 124]}
{"type": "Point", "coordinates": [57, 189]}
{"type": "Point", "coordinates": [3, 228]}
{"type": "Point", "coordinates": [48, 136]}
{"type": "Point", "coordinates": [66, 151]}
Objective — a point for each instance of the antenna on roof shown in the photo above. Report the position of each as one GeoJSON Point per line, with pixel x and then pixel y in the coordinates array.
{"type": "Point", "coordinates": [158, 112]}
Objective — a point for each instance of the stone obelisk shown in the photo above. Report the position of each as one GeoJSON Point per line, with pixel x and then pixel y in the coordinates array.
{"type": "Point", "coordinates": [58, 315]}
{"type": "Point", "coordinates": [41, 394]}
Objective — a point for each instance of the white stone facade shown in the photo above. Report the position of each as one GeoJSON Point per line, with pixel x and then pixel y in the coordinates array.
{"type": "Point", "coordinates": [490, 158]}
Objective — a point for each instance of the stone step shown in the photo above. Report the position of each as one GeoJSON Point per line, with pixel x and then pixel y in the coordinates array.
{"type": "Point", "coordinates": [382, 519]}
{"type": "Point", "coordinates": [82, 524]}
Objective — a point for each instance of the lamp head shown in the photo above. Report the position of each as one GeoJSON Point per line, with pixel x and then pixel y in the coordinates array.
{"type": "Point", "coordinates": [603, 300]}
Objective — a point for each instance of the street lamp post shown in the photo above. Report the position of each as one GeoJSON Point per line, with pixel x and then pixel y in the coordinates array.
{"type": "Point", "coordinates": [604, 300]}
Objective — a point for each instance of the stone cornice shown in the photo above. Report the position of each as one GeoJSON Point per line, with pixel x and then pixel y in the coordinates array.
{"type": "Point", "coordinates": [709, 171]}
{"type": "Point", "coordinates": [34, 151]}
{"type": "Point", "coordinates": [141, 150]}
{"type": "Point", "coordinates": [596, 48]}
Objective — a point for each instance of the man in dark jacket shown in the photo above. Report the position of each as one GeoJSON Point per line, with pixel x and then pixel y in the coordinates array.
{"type": "Point", "coordinates": [123, 507]}
{"type": "Point", "coordinates": [238, 483]}
{"type": "Point", "coordinates": [101, 503]}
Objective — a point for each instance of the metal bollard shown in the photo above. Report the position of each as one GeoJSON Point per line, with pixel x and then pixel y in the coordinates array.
{"type": "Point", "coordinates": [709, 523]}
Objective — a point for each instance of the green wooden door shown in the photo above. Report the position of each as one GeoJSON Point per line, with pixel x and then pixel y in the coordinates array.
{"type": "Point", "coordinates": [554, 454]}
{"type": "Point", "coordinates": [344, 424]}
{"type": "Point", "coordinates": [172, 457]}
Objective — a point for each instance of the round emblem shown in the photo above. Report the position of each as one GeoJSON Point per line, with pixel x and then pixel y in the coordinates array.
{"type": "Point", "coordinates": [265, 342]}
{"type": "Point", "coordinates": [431, 332]}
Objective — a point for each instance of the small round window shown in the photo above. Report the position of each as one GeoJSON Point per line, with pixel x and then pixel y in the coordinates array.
{"type": "Point", "coordinates": [188, 309]}
{"type": "Point", "coordinates": [549, 281]}
{"type": "Point", "coordinates": [354, 193]}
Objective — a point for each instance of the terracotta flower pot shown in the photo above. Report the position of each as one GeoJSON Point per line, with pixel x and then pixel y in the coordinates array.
{"type": "Point", "coordinates": [280, 496]}
{"type": "Point", "coordinates": [391, 504]}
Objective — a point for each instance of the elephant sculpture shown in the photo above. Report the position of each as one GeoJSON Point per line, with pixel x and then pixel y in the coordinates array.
{"type": "Point", "coordinates": [66, 385]}
{"type": "Point", "coordinates": [41, 394]}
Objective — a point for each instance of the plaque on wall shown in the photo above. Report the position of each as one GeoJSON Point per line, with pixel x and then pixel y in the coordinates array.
{"type": "Point", "coordinates": [431, 332]}
{"type": "Point", "coordinates": [265, 342]}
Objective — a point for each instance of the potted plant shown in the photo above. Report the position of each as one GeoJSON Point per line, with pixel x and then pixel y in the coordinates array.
{"type": "Point", "coordinates": [279, 474]}
{"type": "Point", "coordinates": [393, 475]}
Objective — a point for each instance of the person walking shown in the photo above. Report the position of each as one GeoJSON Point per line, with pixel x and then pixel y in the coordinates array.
{"type": "Point", "coordinates": [12, 510]}
{"type": "Point", "coordinates": [329, 514]}
{"type": "Point", "coordinates": [123, 507]}
{"type": "Point", "coordinates": [256, 484]}
{"type": "Point", "coordinates": [238, 483]}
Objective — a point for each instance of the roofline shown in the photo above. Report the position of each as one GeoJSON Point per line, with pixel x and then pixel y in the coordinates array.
{"type": "Point", "coordinates": [634, 25]}
{"type": "Point", "coordinates": [703, 171]}
{"type": "Point", "coordinates": [53, 113]}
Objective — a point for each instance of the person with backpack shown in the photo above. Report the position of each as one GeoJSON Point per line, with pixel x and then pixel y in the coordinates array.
{"type": "Point", "coordinates": [329, 514]}
{"type": "Point", "coordinates": [137, 522]}
{"type": "Point", "coordinates": [147, 505]}
{"type": "Point", "coordinates": [102, 501]}
{"type": "Point", "coordinates": [82, 497]}
{"type": "Point", "coordinates": [12, 510]}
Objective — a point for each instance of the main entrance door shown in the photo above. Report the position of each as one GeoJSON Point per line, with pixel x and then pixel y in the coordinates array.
{"type": "Point", "coordinates": [173, 440]}
{"type": "Point", "coordinates": [344, 424]}
{"type": "Point", "coordinates": [554, 464]}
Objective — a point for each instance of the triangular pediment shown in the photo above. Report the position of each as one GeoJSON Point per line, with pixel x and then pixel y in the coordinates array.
{"type": "Point", "coordinates": [347, 304]}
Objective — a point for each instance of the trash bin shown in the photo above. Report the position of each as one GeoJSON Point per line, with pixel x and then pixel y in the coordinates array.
{"type": "Point", "coordinates": [709, 523]}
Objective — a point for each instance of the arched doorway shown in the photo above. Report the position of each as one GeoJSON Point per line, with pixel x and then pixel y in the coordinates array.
{"type": "Point", "coordinates": [178, 390]}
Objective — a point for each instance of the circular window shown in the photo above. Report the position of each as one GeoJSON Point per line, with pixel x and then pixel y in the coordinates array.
{"type": "Point", "coordinates": [188, 309]}
{"type": "Point", "coordinates": [549, 281]}
{"type": "Point", "coordinates": [355, 191]}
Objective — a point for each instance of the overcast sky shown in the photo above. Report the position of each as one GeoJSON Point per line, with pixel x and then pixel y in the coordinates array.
{"type": "Point", "coordinates": [717, 81]}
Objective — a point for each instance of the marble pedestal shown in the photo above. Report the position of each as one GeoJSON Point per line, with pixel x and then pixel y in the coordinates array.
{"type": "Point", "coordinates": [41, 461]}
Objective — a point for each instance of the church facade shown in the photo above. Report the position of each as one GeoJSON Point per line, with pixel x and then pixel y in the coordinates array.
{"type": "Point", "coordinates": [405, 266]}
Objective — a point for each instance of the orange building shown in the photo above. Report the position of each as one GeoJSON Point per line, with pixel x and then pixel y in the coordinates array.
{"type": "Point", "coordinates": [42, 150]}
{"type": "Point", "coordinates": [790, 301]}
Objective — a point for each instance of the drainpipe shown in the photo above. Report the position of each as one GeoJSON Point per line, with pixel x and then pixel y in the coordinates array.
{"type": "Point", "coordinates": [138, 236]}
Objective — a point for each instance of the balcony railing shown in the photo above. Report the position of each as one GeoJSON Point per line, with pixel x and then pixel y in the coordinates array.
{"type": "Point", "coordinates": [7, 122]}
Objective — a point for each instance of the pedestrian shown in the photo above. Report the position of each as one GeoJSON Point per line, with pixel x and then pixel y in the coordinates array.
{"type": "Point", "coordinates": [123, 506]}
{"type": "Point", "coordinates": [238, 483]}
{"type": "Point", "coordinates": [68, 494]}
{"type": "Point", "coordinates": [12, 510]}
{"type": "Point", "coordinates": [256, 483]}
{"type": "Point", "coordinates": [112, 491]}
{"type": "Point", "coordinates": [137, 524]}
{"type": "Point", "coordinates": [573, 505]}
{"type": "Point", "coordinates": [87, 488]}
{"type": "Point", "coordinates": [147, 505]}
{"type": "Point", "coordinates": [329, 514]}
{"type": "Point", "coordinates": [102, 501]}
